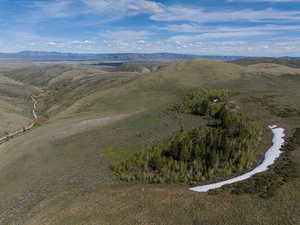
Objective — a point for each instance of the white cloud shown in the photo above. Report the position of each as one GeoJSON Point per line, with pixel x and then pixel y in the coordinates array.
{"type": "Point", "coordinates": [195, 28]}
{"type": "Point", "coordinates": [190, 33]}
{"type": "Point", "coordinates": [193, 34]}
{"type": "Point", "coordinates": [21, 36]}
{"type": "Point", "coordinates": [52, 43]}
{"type": "Point", "coordinates": [122, 8]}
{"type": "Point", "coordinates": [218, 35]}
{"type": "Point", "coordinates": [244, 48]}
{"type": "Point", "coordinates": [106, 9]}
{"type": "Point", "coordinates": [184, 28]}
{"type": "Point", "coordinates": [85, 42]}
{"type": "Point", "coordinates": [53, 9]}
{"type": "Point", "coordinates": [268, 27]}
{"type": "Point", "coordinates": [263, 0]}
{"type": "Point", "coordinates": [201, 46]}
{"type": "Point", "coordinates": [145, 6]}
{"type": "Point", "coordinates": [112, 9]}
{"type": "Point", "coordinates": [56, 44]}
{"type": "Point", "coordinates": [126, 35]}
{"type": "Point", "coordinates": [182, 13]}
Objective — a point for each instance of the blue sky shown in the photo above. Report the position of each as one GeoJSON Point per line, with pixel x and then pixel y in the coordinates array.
{"type": "Point", "coordinates": [205, 27]}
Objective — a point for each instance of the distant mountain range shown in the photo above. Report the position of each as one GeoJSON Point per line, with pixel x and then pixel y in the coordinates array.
{"type": "Point", "coordinates": [123, 57]}
{"type": "Point", "coordinates": [136, 57]}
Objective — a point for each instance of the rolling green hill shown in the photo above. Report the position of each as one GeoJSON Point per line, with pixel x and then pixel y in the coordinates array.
{"type": "Point", "coordinates": [60, 173]}
{"type": "Point", "coordinates": [290, 62]}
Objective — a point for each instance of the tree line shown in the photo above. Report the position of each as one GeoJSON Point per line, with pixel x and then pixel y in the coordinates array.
{"type": "Point", "coordinates": [199, 154]}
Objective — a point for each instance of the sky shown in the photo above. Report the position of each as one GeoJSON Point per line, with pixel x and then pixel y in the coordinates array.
{"type": "Point", "coordinates": [203, 27]}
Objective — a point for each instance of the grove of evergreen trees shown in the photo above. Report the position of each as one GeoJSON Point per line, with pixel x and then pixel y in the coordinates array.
{"type": "Point", "coordinates": [204, 102]}
{"type": "Point", "coordinates": [199, 154]}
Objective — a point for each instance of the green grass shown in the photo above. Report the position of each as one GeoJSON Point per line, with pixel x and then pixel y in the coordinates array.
{"type": "Point", "coordinates": [37, 167]}
{"type": "Point", "coordinates": [292, 62]}
{"type": "Point", "coordinates": [15, 104]}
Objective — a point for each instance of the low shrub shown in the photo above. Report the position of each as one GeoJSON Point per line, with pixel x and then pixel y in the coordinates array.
{"type": "Point", "coordinates": [284, 170]}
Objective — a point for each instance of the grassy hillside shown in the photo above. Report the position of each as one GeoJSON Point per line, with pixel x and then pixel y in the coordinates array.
{"type": "Point", "coordinates": [60, 172]}
{"type": "Point", "coordinates": [275, 69]}
{"type": "Point", "coordinates": [290, 62]}
{"type": "Point", "coordinates": [15, 102]}
{"type": "Point", "coordinates": [141, 67]}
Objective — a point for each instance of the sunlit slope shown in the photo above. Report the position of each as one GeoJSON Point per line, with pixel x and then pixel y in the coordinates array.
{"type": "Point", "coordinates": [274, 69]}
{"type": "Point", "coordinates": [67, 152]}
{"type": "Point", "coordinates": [290, 62]}
{"type": "Point", "coordinates": [77, 89]}
{"type": "Point", "coordinates": [152, 90]}
{"type": "Point", "coordinates": [15, 105]}
{"type": "Point", "coordinates": [95, 116]}
{"type": "Point", "coordinates": [37, 74]}
{"type": "Point", "coordinates": [257, 94]}
{"type": "Point", "coordinates": [63, 85]}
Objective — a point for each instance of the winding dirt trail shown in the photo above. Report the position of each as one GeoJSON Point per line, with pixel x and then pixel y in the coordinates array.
{"type": "Point", "coordinates": [25, 129]}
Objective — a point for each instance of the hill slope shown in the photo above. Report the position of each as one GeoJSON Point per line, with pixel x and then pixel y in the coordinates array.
{"type": "Point", "coordinates": [290, 62]}
{"type": "Point", "coordinates": [95, 117]}
{"type": "Point", "coordinates": [15, 102]}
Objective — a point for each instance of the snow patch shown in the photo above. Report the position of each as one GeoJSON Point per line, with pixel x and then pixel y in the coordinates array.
{"type": "Point", "coordinates": [271, 155]}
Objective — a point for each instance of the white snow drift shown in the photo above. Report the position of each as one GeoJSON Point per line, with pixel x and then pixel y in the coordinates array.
{"type": "Point", "coordinates": [271, 155]}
